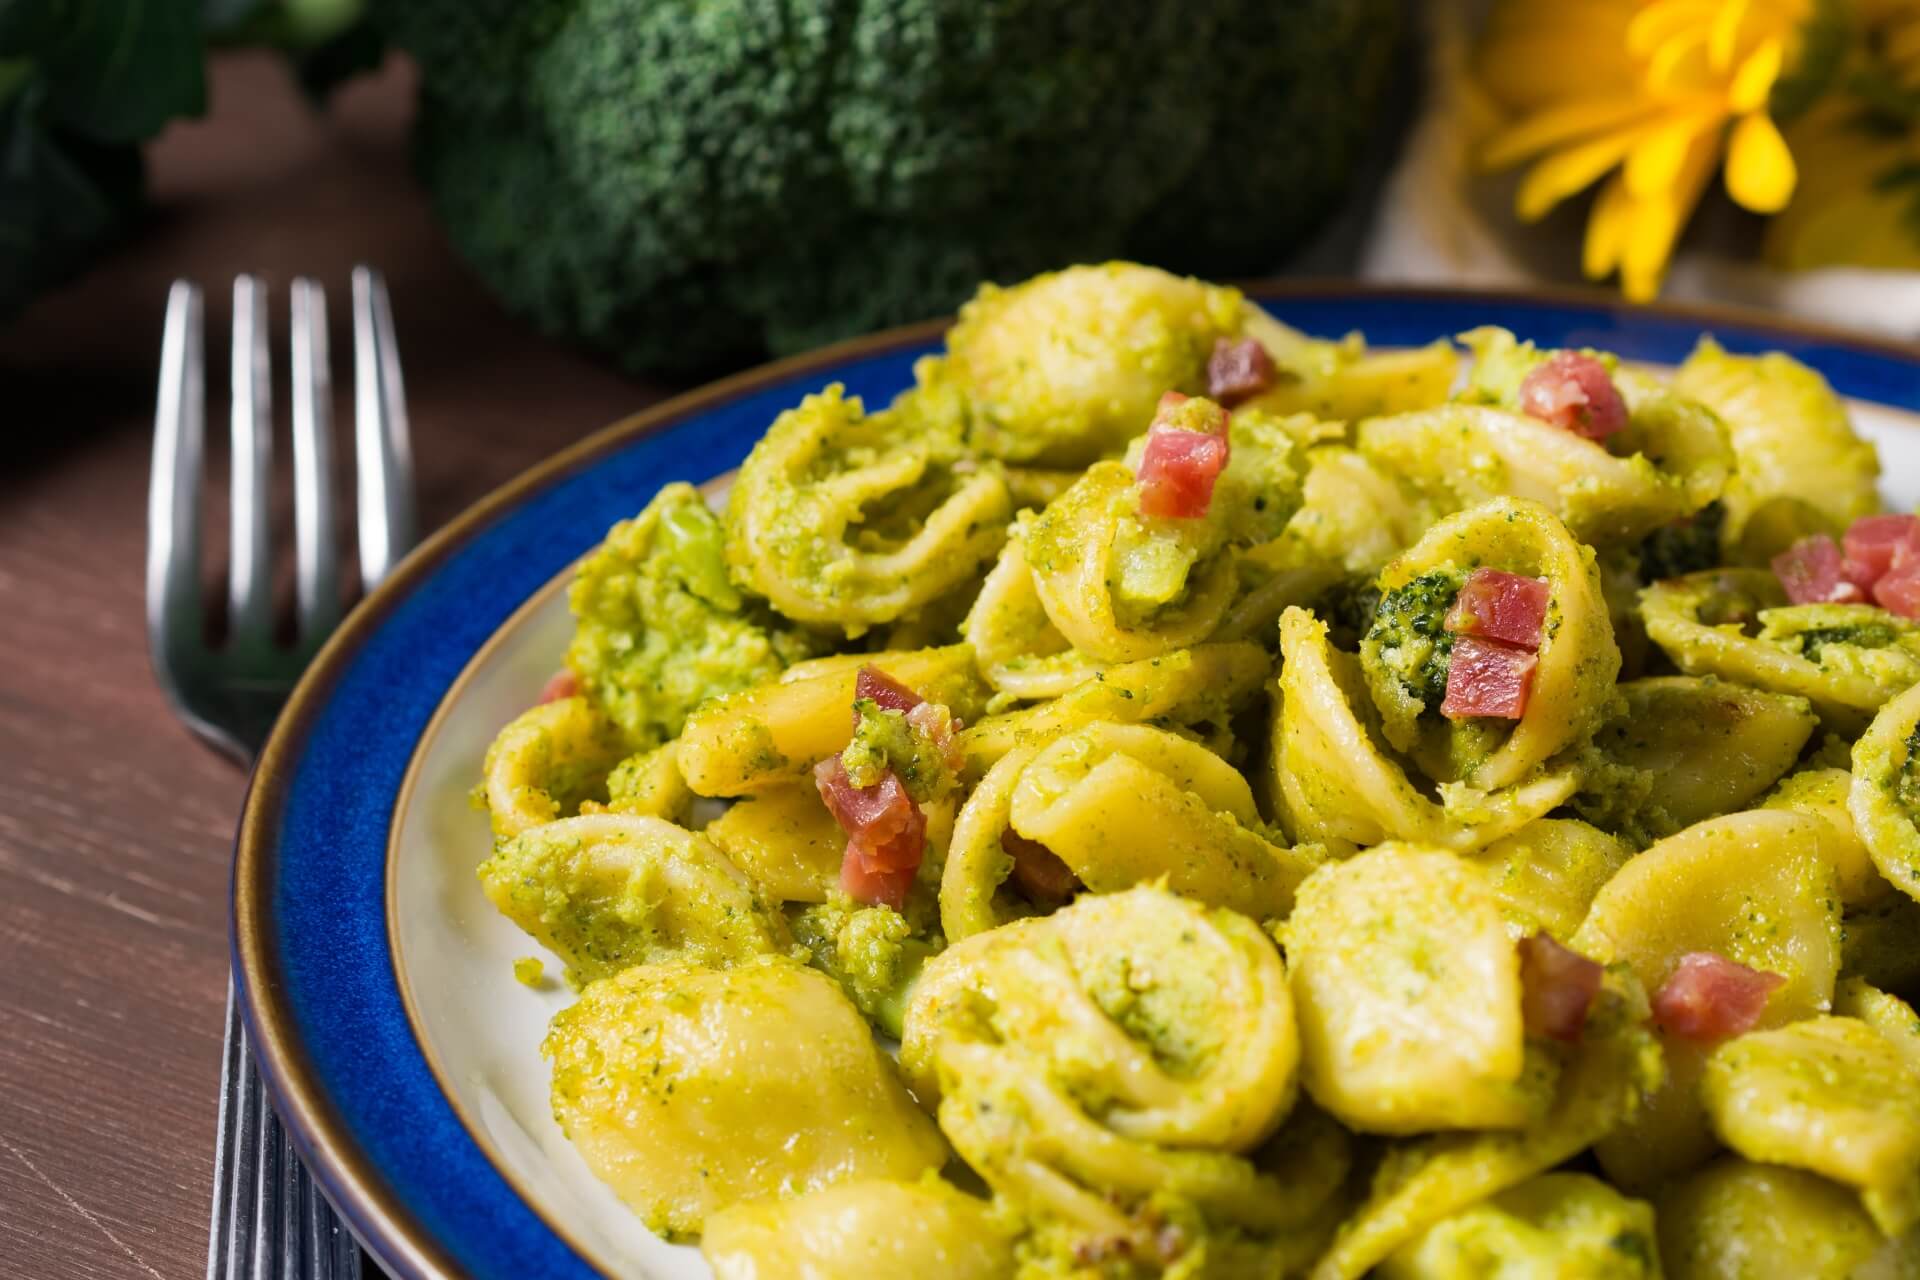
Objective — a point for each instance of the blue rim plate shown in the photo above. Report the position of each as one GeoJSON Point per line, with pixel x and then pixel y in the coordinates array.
{"type": "Point", "coordinates": [317, 977]}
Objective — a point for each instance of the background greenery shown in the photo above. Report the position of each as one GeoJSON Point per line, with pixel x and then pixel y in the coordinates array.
{"type": "Point", "coordinates": [684, 185]}
{"type": "Point", "coordinates": [84, 82]}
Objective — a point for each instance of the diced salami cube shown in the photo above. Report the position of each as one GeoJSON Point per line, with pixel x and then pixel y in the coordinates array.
{"type": "Point", "coordinates": [1500, 606]}
{"type": "Point", "coordinates": [1812, 571]}
{"type": "Point", "coordinates": [875, 685]}
{"type": "Point", "coordinates": [1872, 543]}
{"type": "Point", "coordinates": [1038, 870]}
{"type": "Point", "coordinates": [1574, 392]}
{"type": "Point", "coordinates": [1709, 998]}
{"type": "Point", "coordinates": [875, 888]}
{"type": "Point", "coordinates": [1178, 471]}
{"type": "Point", "coordinates": [1899, 591]}
{"type": "Point", "coordinates": [886, 831]}
{"type": "Point", "coordinates": [1557, 987]}
{"type": "Point", "coordinates": [1238, 370]}
{"type": "Point", "coordinates": [1488, 678]}
{"type": "Point", "coordinates": [561, 684]}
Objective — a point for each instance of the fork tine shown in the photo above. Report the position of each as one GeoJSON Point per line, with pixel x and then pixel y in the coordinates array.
{"type": "Point", "coordinates": [173, 493]}
{"type": "Point", "coordinates": [250, 617]}
{"type": "Point", "coordinates": [316, 563]}
{"type": "Point", "coordinates": [383, 453]}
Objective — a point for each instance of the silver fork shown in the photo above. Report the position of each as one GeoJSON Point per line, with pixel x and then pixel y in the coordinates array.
{"type": "Point", "coordinates": [269, 1220]}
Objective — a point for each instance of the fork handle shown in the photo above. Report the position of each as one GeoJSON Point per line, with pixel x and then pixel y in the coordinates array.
{"type": "Point", "coordinates": [270, 1221]}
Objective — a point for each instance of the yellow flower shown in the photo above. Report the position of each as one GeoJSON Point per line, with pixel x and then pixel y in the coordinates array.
{"type": "Point", "coordinates": [1647, 97]}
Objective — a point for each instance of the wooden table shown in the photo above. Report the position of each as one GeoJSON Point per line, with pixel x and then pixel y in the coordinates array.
{"type": "Point", "coordinates": [115, 827]}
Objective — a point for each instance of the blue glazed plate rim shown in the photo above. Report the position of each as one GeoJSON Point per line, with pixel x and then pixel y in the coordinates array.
{"type": "Point", "coordinates": [316, 976]}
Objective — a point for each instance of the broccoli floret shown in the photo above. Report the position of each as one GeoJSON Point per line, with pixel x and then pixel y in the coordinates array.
{"type": "Point", "coordinates": [1347, 607]}
{"type": "Point", "coordinates": [1408, 637]}
{"type": "Point", "coordinates": [1860, 636]}
{"type": "Point", "coordinates": [685, 184]}
{"type": "Point", "coordinates": [1685, 546]}
{"type": "Point", "coordinates": [874, 953]}
{"type": "Point", "coordinates": [660, 628]}
{"type": "Point", "coordinates": [882, 740]}
{"type": "Point", "coordinates": [1906, 784]}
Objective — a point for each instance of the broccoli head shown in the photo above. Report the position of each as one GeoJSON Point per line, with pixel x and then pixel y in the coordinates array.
{"type": "Point", "coordinates": [690, 183]}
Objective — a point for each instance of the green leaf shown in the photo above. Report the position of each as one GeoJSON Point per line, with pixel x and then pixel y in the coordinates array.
{"type": "Point", "coordinates": [113, 70]}
{"type": "Point", "coordinates": [1826, 38]}
{"type": "Point", "coordinates": [1904, 179]}
{"type": "Point", "coordinates": [358, 49]}
{"type": "Point", "coordinates": [62, 199]}
{"type": "Point", "coordinates": [221, 16]}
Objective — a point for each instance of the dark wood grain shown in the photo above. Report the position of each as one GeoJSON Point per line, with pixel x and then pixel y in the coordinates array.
{"type": "Point", "coordinates": [115, 828]}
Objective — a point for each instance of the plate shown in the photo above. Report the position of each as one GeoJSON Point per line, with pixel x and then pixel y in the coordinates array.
{"type": "Point", "coordinates": [374, 976]}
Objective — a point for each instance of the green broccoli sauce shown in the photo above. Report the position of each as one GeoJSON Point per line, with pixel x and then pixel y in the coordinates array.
{"type": "Point", "coordinates": [1869, 635]}
{"type": "Point", "coordinates": [883, 740]}
{"type": "Point", "coordinates": [1413, 644]}
{"type": "Point", "coordinates": [1685, 546]}
{"type": "Point", "coordinates": [1905, 782]}
{"type": "Point", "coordinates": [874, 953]}
{"type": "Point", "coordinates": [660, 628]}
{"type": "Point", "coordinates": [1348, 608]}
{"type": "Point", "coordinates": [692, 540]}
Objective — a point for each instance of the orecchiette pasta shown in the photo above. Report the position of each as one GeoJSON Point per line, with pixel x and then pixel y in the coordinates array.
{"type": "Point", "coordinates": [769, 736]}
{"type": "Point", "coordinates": [1068, 366]}
{"type": "Point", "coordinates": [1120, 585]}
{"type": "Point", "coordinates": [1408, 987]}
{"type": "Point", "coordinates": [1205, 685]}
{"type": "Point", "coordinates": [785, 842]}
{"type": "Point", "coordinates": [1801, 469]}
{"type": "Point", "coordinates": [1022, 654]}
{"type": "Point", "coordinates": [606, 891]}
{"type": "Point", "coordinates": [649, 784]}
{"type": "Point", "coordinates": [1103, 1067]}
{"type": "Point", "coordinates": [841, 518]}
{"type": "Point", "coordinates": [1831, 1095]}
{"type": "Point", "coordinates": [1463, 453]}
{"type": "Point", "coordinates": [1123, 804]}
{"type": "Point", "coordinates": [1546, 873]}
{"type": "Point", "coordinates": [1719, 1223]}
{"type": "Point", "coordinates": [950, 731]}
{"type": "Point", "coordinates": [1343, 381]}
{"type": "Point", "coordinates": [546, 763]}
{"type": "Point", "coordinates": [863, 1230]}
{"type": "Point", "coordinates": [1698, 746]}
{"type": "Point", "coordinates": [1427, 1180]}
{"type": "Point", "coordinates": [1336, 779]}
{"type": "Point", "coordinates": [689, 1089]}
{"type": "Point", "coordinates": [1822, 794]}
{"type": "Point", "coordinates": [1736, 624]}
{"type": "Point", "coordinates": [1885, 796]}
{"type": "Point", "coordinates": [1120, 805]}
{"type": "Point", "coordinates": [1697, 892]}
{"type": "Point", "coordinates": [1886, 1013]}
{"type": "Point", "coordinates": [1354, 513]}
{"type": "Point", "coordinates": [1576, 657]}
{"type": "Point", "coordinates": [1556, 1224]}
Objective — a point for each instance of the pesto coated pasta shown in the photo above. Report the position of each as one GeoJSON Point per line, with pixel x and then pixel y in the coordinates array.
{"type": "Point", "coordinates": [1170, 795]}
